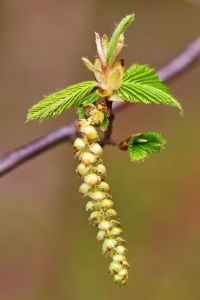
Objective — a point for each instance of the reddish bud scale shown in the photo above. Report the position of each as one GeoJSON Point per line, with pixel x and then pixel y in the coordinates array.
{"type": "Point", "coordinates": [93, 172]}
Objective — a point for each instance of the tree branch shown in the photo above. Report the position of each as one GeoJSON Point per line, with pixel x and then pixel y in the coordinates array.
{"type": "Point", "coordinates": [16, 157]}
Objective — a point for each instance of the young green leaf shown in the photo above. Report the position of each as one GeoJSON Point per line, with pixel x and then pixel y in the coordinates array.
{"type": "Point", "coordinates": [116, 34]}
{"type": "Point", "coordinates": [60, 101]}
{"type": "Point", "coordinates": [140, 145]}
{"type": "Point", "coordinates": [141, 84]}
{"type": "Point", "coordinates": [91, 98]}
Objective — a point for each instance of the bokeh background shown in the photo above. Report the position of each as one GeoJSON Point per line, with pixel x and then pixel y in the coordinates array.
{"type": "Point", "coordinates": [47, 248]}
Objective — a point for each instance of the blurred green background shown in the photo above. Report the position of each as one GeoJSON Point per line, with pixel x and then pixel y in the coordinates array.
{"type": "Point", "coordinates": [47, 248]}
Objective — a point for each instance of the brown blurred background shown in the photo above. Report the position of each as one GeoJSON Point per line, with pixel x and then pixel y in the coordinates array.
{"type": "Point", "coordinates": [47, 248]}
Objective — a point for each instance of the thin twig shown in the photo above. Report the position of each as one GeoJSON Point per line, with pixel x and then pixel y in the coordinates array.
{"type": "Point", "coordinates": [16, 157]}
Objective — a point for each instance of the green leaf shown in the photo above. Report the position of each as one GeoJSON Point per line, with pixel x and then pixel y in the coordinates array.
{"type": "Point", "coordinates": [105, 123]}
{"type": "Point", "coordinates": [140, 145]}
{"type": "Point", "coordinates": [116, 34]}
{"type": "Point", "coordinates": [91, 98]}
{"type": "Point", "coordinates": [60, 101]}
{"type": "Point", "coordinates": [141, 84]}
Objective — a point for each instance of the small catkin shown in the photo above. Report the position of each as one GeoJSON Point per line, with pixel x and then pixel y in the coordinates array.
{"type": "Point", "coordinates": [102, 213]}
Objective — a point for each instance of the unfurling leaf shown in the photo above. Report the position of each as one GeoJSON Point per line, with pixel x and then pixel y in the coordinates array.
{"type": "Point", "coordinates": [116, 34]}
{"type": "Point", "coordinates": [141, 145]}
{"type": "Point", "coordinates": [140, 84]}
{"type": "Point", "coordinates": [60, 101]}
{"type": "Point", "coordinates": [91, 98]}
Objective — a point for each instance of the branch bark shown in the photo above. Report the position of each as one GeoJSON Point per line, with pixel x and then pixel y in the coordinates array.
{"type": "Point", "coordinates": [14, 158]}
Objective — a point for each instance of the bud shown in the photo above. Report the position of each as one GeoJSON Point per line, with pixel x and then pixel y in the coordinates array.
{"type": "Point", "coordinates": [90, 133]}
{"type": "Point", "coordinates": [123, 273]}
{"type": "Point", "coordinates": [101, 170]}
{"type": "Point", "coordinates": [117, 278]}
{"type": "Point", "coordinates": [80, 123]}
{"type": "Point", "coordinates": [121, 258]}
{"type": "Point", "coordinates": [105, 43]}
{"type": "Point", "coordinates": [97, 195]}
{"type": "Point", "coordinates": [100, 52]}
{"type": "Point", "coordinates": [121, 250]}
{"type": "Point", "coordinates": [94, 214]}
{"type": "Point", "coordinates": [124, 144]}
{"type": "Point", "coordinates": [123, 282]}
{"type": "Point", "coordinates": [83, 189]}
{"type": "Point", "coordinates": [115, 267]}
{"type": "Point", "coordinates": [96, 223]}
{"type": "Point", "coordinates": [103, 186]}
{"type": "Point", "coordinates": [87, 158]}
{"type": "Point", "coordinates": [106, 203]}
{"type": "Point", "coordinates": [126, 264]}
{"type": "Point", "coordinates": [102, 106]}
{"type": "Point", "coordinates": [82, 169]}
{"type": "Point", "coordinates": [116, 231]}
{"type": "Point", "coordinates": [88, 64]}
{"type": "Point", "coordinates": [104, 225]}
{"type": "Point", "coordinates": [91, 205]}
{"type": "Point", "coordinates": [114, 79]}
{"type": "Point", "coordinates": [120, 240]}
{"type": "Point", "coordinates": [79, 144]}
{"type": "Point", "coordinates": [92, 179]}
{"type": "Point", "coordinates": [115, 223]}
{"type": "Point", "coordinates": [111, 212]}
{"type": "Point", "coordinates": [97, 117]}
{"type": "Point", "coordinates": [108, 244]}
{"type": "Point", "coordinates": [100, 235]}
{"type": "Point", "coordinates": [95, 148]}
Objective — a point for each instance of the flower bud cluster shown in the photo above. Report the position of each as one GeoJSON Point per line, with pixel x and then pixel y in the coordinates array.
{"type": "Point", "coordinates": [102, 213]}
